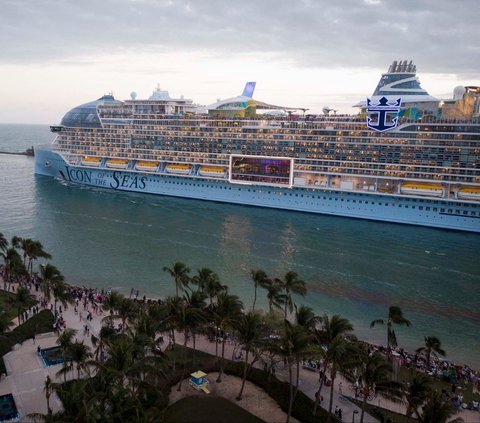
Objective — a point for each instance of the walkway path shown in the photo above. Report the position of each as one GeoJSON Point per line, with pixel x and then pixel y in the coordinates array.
{"type": "Point", "coordinates": [26, 372]}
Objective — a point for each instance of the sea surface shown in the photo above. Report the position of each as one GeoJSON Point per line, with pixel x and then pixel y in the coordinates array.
{"type": "Point", "coordinates": [352, 267]}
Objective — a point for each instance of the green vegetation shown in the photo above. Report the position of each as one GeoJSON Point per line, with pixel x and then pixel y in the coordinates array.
{"type": "Point", "coordinates": [207, 409]}
{"type": "Point", "coordinates": [7, 306]}
{"type": "Point", "coordinates": [37, 324]}
{"type": "Point", "coordinates": [128, 377]}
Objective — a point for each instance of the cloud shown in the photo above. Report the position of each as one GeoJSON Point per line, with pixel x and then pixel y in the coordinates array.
{"type": "Point", "coordinates": [440, 36]}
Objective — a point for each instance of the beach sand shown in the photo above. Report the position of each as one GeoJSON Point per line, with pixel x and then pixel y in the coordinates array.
{"type": "Point", "coordinates": [255, 400]}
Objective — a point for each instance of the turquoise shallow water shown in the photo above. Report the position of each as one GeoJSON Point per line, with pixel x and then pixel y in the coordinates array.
{"type": "Point", "coordinates": [352, 267]}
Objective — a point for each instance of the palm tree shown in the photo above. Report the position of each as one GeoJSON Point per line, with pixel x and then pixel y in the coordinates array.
{"type": "Point", "coordinates": [375, 373]}
{"type": "Point", "coordinates": [305, 317]}
{"type": "Point", "coordinates": [416, 393]}
{"type": "Point", "coordinates": [61, 294]}
{"type": "Point", "coordinates": [32, 250]}
{"type": "Point", "coordinates": [49, 275]}
{"type": "Point", "coordinates": [340, 354]}
{"type": "Point", "coordinates": [250, 330]}
{"type": "Point", "coordinates": [432, 346]}
{"type": "Point", "coordinates": [179, 272]}
{"type": "Point", "coordinates": [291, 346]}
{"type": "Point", "coordinates": [291, 285]}
{"type": "Point", "coordinates": [3, 243]}
{"type": "Point", "coordinates": [395, 316]}
{"type": "Point", "coordinates": [48, 389]}
{"type": "Point", "coordinates": [64, 340]}
{"type": "Point", "coordinates": [332, 328]}
{"type": "Point", "coordinates": [126, 311]}
{"type": "Point", "coordinates": [13, 264]}
{"type": "Point", "coordinates": [259, 278]}
{"type": "Point", "coordinates": [437, 410]}
{"type": "Point", "coordinates": [111, 304]}
{"type": "Point", "coordinates": [274, 295]}
{"type": "Point", "coordinates": [187, 318]}
{"type": "Point", "coordinates": [203, 278]}
{"type": "Point", "coordinates": [227, 310]}
{"type": "Point", "coordinates": [80, 353]}
{"type": "Point", "coordinates": [22, 300]}
{"type": "Point", "coordinates": [196, 301]}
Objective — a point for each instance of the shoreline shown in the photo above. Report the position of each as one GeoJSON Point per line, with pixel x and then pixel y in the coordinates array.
{"type": "Point", "coordinates": [373, 344]}
{"type": "Point", "coordinates": [371, 341]}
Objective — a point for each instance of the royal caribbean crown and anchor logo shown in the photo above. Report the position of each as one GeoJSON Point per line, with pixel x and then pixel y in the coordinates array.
{"type": "Point", "coordinates": [386, 114]}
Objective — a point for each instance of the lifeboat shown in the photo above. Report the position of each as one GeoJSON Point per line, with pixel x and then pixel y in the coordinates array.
{"type": "Point", "coordinates": [117, 163]}
{"type": "Point", "coordinates": [91, 161]}
{"type": "Point", "coordinates": [469, 193]}
{"type": "Point", "coordinates": [181, 169]}
{"type": "Point", "coordinates": [145, 165]}
{"type": "Point", "coordinates": [421, 188]}
{"type": "Point", "coordinates": [212, 171]}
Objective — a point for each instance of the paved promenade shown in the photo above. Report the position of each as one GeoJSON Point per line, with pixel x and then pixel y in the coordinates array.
{"type": "Point", "coordinates": [26, 372]}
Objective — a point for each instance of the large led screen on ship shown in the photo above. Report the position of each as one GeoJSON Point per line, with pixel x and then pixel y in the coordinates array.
{"type": "Point", "coordinates": [261, 170]}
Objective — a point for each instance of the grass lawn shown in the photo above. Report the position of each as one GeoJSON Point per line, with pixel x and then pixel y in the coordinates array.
{"type": "Point", "coordinates": [6, 299]}
{"type": "Point", "coordinates": [40, 323]}
{"type": "Point", "coordinates": [207, 409]}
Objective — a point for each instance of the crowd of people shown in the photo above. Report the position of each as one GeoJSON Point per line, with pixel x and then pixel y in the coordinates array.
{"type": "Point", "coordinates": [89, 302]}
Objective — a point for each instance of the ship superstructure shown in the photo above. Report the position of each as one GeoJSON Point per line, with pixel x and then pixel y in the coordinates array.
{"type": "Point", "coordinates": [426, 171]}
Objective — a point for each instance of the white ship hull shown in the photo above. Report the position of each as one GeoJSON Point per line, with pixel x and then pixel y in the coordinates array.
{"type": "Point", "coordinates": [439, 213]}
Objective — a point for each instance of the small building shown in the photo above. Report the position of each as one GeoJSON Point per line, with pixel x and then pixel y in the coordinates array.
{"type": "Point", "coordinates": [199, 382]}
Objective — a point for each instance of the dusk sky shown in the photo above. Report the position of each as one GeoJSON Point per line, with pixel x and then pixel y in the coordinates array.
{"type": "Point", "coordinates": [56, 54]}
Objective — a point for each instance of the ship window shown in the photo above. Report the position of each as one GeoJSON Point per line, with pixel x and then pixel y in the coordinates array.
{"type": "Point", "coordinates": [427, 208]}
{"type": "Point", "coordinates": [406, 206]}
{"type": "Point", "coordinates": [457, 211]}
{"type": "Point", "coordinates": [435, 209]}
{"type": "Point", "coordinates": [473, 213]}
{"type": "Point", "coordinates": [442, 210]}
{"type": "Point", "coordinates": [450, 210]}
{"type": "Point", "coordinates": [465, 212]}
{"type": "Point", "coordinates": [386, 204]}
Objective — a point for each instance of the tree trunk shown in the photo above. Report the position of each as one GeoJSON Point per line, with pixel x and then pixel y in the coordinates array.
{"type": "Point", "coordinates": [255, 297]}
{"type": "Point", "coordinates": [193, 353]}
{"type": "Point", "coordinates": [321, 380]}
{"type": "Point", "coordinates": [244, 375]}
{"type": "Point", "coordinates": [297, 381]}
{"type": "Point", "coordinates": [330, 404]}
{"type": "Point", "coordinates": [184, 361]}
{"type": "Point", "coordinates": [219, 379]}
{"type": "Point", "coordinates": [290, 400]}
{"type": "Point", "coordinates": [364, 402]}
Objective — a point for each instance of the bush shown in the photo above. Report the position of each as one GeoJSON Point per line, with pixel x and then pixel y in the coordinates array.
{"type": "Point", "coordinates": [39, 323]}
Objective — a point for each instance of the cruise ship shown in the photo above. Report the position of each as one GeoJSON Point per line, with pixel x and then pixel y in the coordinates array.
{"type": "Point", "coordinates": [405, 157]}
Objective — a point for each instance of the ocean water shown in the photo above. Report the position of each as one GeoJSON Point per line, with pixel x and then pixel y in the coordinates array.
{"type": "Point", "coordinates": [352, 267]}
